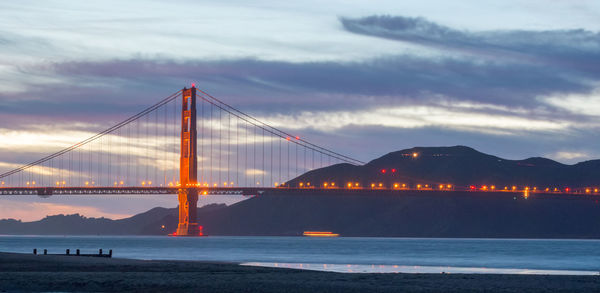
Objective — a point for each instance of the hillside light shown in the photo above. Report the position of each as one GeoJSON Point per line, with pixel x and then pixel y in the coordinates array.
{"type": "Point", "coordinates": [415, 155]}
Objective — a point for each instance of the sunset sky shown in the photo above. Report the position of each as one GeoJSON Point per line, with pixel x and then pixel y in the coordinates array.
{"type": "Point", "coordinates": [514, 79]}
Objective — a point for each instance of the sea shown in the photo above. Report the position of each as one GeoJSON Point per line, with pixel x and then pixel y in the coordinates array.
{"type": "Point", "coordinates": [342, 254]}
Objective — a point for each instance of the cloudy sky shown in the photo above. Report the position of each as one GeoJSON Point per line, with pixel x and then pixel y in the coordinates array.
{"type": "Point", "coordinates": [511, 78]}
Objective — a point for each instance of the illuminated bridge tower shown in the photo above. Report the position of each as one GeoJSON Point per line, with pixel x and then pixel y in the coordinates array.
{"type": "Point", "coordinates": [187, 193]}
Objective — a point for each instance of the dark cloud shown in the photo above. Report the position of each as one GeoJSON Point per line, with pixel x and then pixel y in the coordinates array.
{"type": "Point", "coordinates": [576, 50]}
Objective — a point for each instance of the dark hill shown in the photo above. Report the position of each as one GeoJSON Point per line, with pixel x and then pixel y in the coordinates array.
{"type": "Point", "coordinates": [460, 166]}
{"type": "Point", "coordinates": [409, 214]}
{"type": "Point", "coordinates": [147, 223]}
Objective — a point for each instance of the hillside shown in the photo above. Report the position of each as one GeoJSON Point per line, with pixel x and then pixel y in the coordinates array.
{"type": "Point", "coordinates": [460, 166]}
{"type": "Point", "coordinates": [411, 214]}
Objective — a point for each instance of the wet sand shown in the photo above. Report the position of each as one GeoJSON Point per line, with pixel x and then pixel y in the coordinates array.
{"type": "Point", "coordinates": [27, 272]}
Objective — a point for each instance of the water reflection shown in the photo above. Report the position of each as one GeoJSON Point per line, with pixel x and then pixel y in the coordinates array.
{"type": "Point", "coordinates": [357, 268]}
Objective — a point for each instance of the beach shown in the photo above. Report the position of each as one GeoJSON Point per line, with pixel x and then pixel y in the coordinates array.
{"type": "Point", "coordinates": [28, 272]}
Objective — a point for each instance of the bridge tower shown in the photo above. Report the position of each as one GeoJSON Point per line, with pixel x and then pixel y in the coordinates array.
{"type": "Point", "coordinates": [188, 162]}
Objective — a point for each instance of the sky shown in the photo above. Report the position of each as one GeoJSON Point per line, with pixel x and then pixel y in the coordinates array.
{"type": "Point", "coordinates": [514, 79]}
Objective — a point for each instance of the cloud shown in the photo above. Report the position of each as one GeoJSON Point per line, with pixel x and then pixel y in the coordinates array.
{"type": "Point", "coordinates": [575, 49]}
{"type": "Point", "coordinates": [568, 155]}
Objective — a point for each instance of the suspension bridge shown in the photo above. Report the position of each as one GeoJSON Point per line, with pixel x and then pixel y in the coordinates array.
{"type": "Point", "coordinates": [190, 144]}
{"type": "Point", "coordinates": [219, 150]}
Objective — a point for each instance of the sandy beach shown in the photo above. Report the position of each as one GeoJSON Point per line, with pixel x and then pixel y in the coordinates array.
{"type": "Point", "coordinates": [28, 272]}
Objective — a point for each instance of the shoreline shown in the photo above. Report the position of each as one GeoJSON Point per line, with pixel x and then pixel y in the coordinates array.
{"type": "Point", "coordinates": [28, 272]}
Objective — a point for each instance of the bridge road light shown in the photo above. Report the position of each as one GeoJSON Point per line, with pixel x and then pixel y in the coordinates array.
{"type": "Point", "coordinates": [143, 183]}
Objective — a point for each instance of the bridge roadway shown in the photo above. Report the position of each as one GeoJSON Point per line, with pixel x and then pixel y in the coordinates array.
{"type": "Point", "coordinates": [248, 191]}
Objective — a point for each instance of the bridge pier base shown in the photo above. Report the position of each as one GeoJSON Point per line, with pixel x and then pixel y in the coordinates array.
{"type": "Point", "coordinates": [188, 210]}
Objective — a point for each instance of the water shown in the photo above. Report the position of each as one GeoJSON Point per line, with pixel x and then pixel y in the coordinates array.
{"type": "Point", "coordinates": [342, 254]}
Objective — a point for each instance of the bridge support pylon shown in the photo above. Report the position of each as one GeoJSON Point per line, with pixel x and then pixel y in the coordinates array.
{"type": "Point", "coordinates": [188, 168]}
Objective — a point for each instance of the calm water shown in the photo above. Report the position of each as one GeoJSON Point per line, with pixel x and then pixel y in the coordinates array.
{"type": "Point", "coordinates": [342, 254]}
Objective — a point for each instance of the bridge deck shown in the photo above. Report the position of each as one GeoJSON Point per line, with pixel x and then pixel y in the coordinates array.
{"type": "Point", "coordinates": [48, 191]}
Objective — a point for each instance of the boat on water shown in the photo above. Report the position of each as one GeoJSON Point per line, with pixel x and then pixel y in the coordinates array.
{"type": "Point", "coordinates": [320, 234]}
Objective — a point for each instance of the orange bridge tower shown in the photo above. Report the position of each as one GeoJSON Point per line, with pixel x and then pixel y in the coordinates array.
{"type": "Point", "coordinates": [188, 162]}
